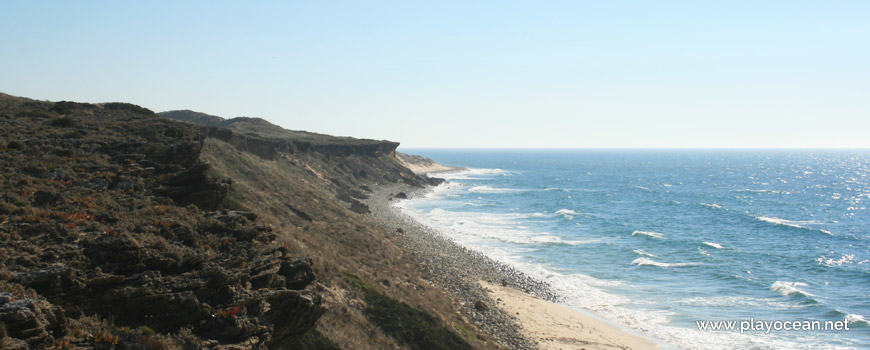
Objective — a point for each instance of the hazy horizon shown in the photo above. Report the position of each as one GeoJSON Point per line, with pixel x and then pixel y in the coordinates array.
{"type": "Point", "coordinates": [563, 75]}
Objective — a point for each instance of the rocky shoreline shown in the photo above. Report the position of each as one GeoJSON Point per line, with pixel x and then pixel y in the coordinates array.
{"type": "Point", "coordinates": [456, 269]}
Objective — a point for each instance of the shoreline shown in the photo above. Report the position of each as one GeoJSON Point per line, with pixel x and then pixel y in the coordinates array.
{"type": "Point", "coordinates": [491, 293]}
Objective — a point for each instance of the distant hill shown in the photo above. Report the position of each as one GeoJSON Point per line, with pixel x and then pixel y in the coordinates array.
{"type": "Point", "coordinates": [263, 128]}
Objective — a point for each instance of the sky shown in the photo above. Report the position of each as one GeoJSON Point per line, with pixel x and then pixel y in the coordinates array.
{"type": "Point", "coordinates": [467, 74]}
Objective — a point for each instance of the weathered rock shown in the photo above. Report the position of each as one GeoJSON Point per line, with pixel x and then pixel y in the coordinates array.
{"type": "Point", "coordinates": [194, 186]}
{"type": "Point", "coordinates": [33, 321]}
{"type": "Point", "coordinates": [98, 226]}
{"type": "Point", "coordinates": [359, 207]}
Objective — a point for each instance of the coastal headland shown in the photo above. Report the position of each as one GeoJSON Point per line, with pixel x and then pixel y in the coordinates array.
{"type": "Point", "coordinates": [122, 228]}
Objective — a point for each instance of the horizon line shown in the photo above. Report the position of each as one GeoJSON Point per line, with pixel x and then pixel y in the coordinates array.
{"type": "Point", "coordinates": [649, 148]}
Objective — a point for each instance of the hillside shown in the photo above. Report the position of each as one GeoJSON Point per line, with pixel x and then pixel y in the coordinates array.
{"type": "Point", "coordinates": [125, 230]}
{"type": "Point", "coordinates": [257, 130]}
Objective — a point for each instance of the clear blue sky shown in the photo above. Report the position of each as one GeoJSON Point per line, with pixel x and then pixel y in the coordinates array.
{"type": "Point", "coordinates": [467, 73]}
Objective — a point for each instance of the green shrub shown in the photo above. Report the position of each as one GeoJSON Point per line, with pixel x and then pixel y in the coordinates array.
{"type": "Point", "coordinates": [127, 107]}
{"type": "Point", "coordinates": [66, 107]}
{"type": "Point", "coordinates": [31, 115]}
{"type": "Point", "coordinates": [63, 122]}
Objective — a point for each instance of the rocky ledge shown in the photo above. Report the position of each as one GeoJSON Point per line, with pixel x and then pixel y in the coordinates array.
{"type": "Point", "coordinates": [115, 236]}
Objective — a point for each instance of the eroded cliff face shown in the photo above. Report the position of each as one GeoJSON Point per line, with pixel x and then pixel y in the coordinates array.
{"type": "Point", "coordinates": [349, 166]}
{"type": "Point", "coordinates": [115, 234]}
{"type": "Point", "coordinates": [123, 230]}
{"type": "Point", "coordinates": [266, 140]}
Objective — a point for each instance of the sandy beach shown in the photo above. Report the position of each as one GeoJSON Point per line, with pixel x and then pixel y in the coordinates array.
{"type": "Point", "coordinates": [553, 327]}
{"type": "Point", "coordinates": [522, 315]}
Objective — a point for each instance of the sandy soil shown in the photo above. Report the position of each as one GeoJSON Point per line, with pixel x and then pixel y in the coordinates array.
{"type": "Point", "coordinates": [429, 169]}
{"type": "Point", "coordinates": [555, 326]}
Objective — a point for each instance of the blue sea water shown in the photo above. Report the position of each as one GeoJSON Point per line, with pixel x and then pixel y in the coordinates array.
{"type": "Point", "coordinates": [655, 240]}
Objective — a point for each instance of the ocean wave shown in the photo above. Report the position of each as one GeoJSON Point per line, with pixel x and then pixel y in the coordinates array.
{"type": "Point", "coordinates": [714, 245]}
{"type": "Point", "coordinates": [472, 173]}
{"type": "Point", "coordinates": [651, 262]}
{"type": "Point", "coordinates": [578, 291]}
{"type": "Point", "coordinates": [474, 228]}
{"type": "Point", "coordinates": [641, 252]}
{"type": "Point", "coordinates": [472, 204]}
{"type": "Point", "coordinates": [489, 189]}
{"type": "Point", "coordinates": [857, 320]}
{"type": "Point", "coordinates": [790, 288]}
{"type": "Point", "coordinates": [648, 234]}
{"type": "Point", "coordinates": [556, 240]}
{"type": "Point", "coordinates": [643, 188]}
{"type": "Point", "coordinates": [711, 205]}
{"type": "Point", "coordinates": [548, 189]}
{"type": "Point", "coordinates": [747, 190]}
{"type": "Point", "coordinates": [793, 223]}
{"type": "Point", "coordinates": [566, 213]}
{"type": "Point", "coordinates": [724, 301]}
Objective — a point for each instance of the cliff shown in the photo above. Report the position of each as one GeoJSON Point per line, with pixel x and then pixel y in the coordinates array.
{"type": "Point", "coordinates": [421, 165]}
{"type": "Point", "coordinates": [124, 230]}
{"type": "Point", "coordinates": [266, 140]}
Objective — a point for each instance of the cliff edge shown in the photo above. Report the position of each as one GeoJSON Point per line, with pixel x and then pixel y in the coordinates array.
{"type": "Point", "coordinates": [122, 229]}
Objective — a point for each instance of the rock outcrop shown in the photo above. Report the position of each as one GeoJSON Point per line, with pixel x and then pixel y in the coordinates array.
{"type": "Point", "coordinates": [359, 161]}
{"type": "Point", "coordinates": [115, 234]}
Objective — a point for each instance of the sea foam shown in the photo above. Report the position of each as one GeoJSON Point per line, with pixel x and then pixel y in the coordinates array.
{"type": "Point", "coordinates": [651, 262]}
{"type": "Point", "coordinates": [472, 173]}
{"type": "Point", "coordinates": [714, 245]}
{"type": "Point", "coordinates": [488, 189]}
{"type": "Point", "coordinates": [641, 252]}
{"type": "Point", "coordinates": [793, 223]}
{"type": "Point", "coordinates": [789, 288]}
{"type": "Point", "coordinates": [566, 213]}
{"type": "Point", "coordinates": [648, 234]}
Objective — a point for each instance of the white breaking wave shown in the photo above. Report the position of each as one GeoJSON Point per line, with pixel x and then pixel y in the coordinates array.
{"type": "Point", "coordinates": [789, 288]}
{"type": "Point", "coordinates": [712, 205]}
{"type": "Point", "coordinates": [474, 229]}
{"type": "Point", "coordinates": [489, 189]}
{"type": "Point", "coordinates": [651, 262]}
{"type": "Point", "coordinates": [468, 174]}
{"type": "Point", "coordinates": [855, 318]}
{"type": "Point", "coordinates": [479, 231]}
{"type": "Point", "coordinates": [641, 252]}
{"type": "Point", "coordinates": [566, 213]}
{"type": "Point", "coordinates": [579, 291]}
{"type": "Point", "coordinates": [557, 189]}
{"type": "Point", "coordinates": [714, 245]}
{"type": "Point", "coordinates": [793, 223]}
{"type": "Point", "coordinates": [558, 240]}
{"type": "Point", "coordinates": [648, 234]}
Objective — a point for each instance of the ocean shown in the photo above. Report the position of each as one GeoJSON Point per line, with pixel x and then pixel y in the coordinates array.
{"type": "Point", "coordinates": [656, 241]}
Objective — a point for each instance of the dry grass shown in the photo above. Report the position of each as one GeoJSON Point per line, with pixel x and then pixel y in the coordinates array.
{"type": "Point", "coordinates": [336, 240]}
